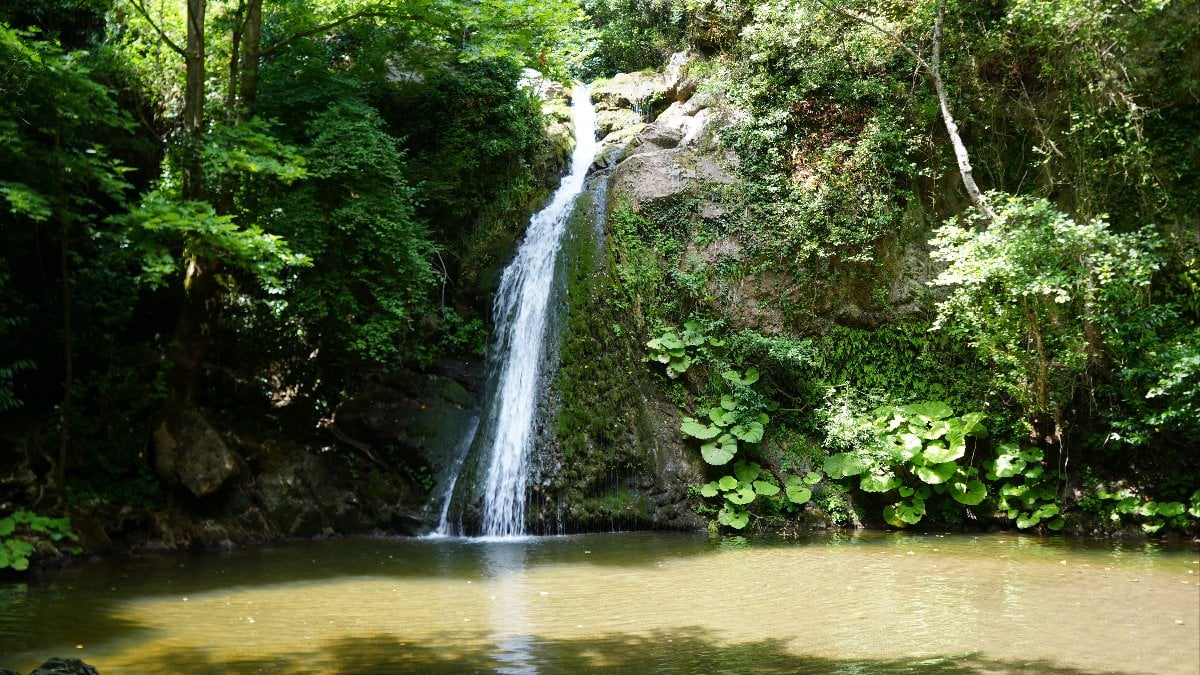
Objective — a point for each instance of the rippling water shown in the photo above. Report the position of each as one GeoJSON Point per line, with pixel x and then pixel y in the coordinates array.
{"type": "Point", "coordinates": [852, 603]}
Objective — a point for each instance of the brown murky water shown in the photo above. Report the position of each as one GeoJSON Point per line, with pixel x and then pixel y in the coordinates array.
{"type": "Point", "coordinates": [850, 603]}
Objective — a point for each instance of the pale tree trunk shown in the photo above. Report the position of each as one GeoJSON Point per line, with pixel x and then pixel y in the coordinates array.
{"type": "Point", "coordinates": [933, 70]}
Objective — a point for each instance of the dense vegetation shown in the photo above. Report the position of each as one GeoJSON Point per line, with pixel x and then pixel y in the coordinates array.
{"type": "Point", "coordinates": [1062, 305]}
{"type": "Point", "coordinates": [233, 212]}
{"type": "Point", "coordinates": [238, 209]}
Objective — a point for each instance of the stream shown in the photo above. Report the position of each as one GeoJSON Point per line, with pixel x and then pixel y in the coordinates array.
{"type": "Point", "coordinates": [632, 602]}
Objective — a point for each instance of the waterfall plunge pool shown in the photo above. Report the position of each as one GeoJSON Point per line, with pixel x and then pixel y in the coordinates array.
{"type": "Point", "coordinates": [635, 602]}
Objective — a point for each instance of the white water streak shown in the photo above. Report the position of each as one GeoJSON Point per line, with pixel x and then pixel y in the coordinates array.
{"type": "Point", "coordinates": [520, 314]}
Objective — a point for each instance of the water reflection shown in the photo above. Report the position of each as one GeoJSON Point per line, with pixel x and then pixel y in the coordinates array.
{"type": "Point", "coordinates": [504, 565]}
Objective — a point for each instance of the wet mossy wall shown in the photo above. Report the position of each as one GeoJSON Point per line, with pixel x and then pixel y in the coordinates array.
{"type": "Point", "coordinates": [597, 470]}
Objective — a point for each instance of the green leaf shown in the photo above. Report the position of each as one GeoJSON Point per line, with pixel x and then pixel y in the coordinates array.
{"type": "Point", "coordinates": [735, 518]}
{"type": "Point", "coordinates": [698, 430]}
{"type": "Point", "coordinates": [906, 491]}
{"type": "Point", "coordinates": [678, 365]}
{"type": "Point", "coordinates": [746, 472]}
{"type": "Point", "coordinates": [797, 491]}
{"type": "Point", "coordinates": [970, 493]}
{"type": "Point", "coordinates": [670, 341]}
{"type": "Point", "coordinates": [812, 478]}
{"type": "Point", "coordinates": [1056, 524]}
{"type": "Point", "coordinates": [1027, 520]}
{"type": "Point", "coordinates": [879, 482]}
{"type": "Point", "coordinates": [734, 377]}
{"type": "Point", "coordinates": [1006, 466]}
{"type": "Point", "coordinates": [928, 411]}
{"type": "Point", "coordinates": [972, 424]}
{"type": "Point", "coordinates": [741, 496]}
{"type": "Point", "coordinates": [7, 526]}
{"type": "Point", "coordinates": [750, 433]}
{"type": "Point", "coordinates": [936, 453]}
{"type": "Point", "coordinates": [935, 474]}
{"type": "Point", "coordinates": [766, 489]}
{"type": "Point", "coordinates": [902, 514]}
{"type": "Point", "coordinates": [1034, 454]}
{"type": "Point", "coordinates": [709, 489]}
{"type": "Point", "coordinates": [1170, 509]}
{"type": "Point", "coordinates": [720, 451]}
{"type": "Point", "coordinates": [909, 446]}
{"type": "Point", "coordinates": [728, 402]}
{"type": "Point", "coordinates": [844, 464]}
{"type": "Point", "coordinates": [727, 483]}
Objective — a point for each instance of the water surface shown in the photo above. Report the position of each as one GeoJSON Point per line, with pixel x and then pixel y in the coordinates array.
{"type": "Point", "coordinates": [852, 603]}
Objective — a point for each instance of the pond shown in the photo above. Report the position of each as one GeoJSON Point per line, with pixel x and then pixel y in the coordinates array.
{"type": "Point", "coordinates": [634, 602]}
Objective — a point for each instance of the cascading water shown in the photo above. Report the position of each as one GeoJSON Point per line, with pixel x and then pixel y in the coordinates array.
{"type": "Point", "coordinates": [518, 350]}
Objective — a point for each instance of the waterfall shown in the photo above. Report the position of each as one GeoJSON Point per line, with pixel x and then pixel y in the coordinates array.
{"type": "Point", "coordinates": [518, 352]}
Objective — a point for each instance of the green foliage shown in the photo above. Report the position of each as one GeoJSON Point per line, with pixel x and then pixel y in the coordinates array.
{"type": "Point", "coordinates": [734, 420]}
{"type": "Point", "coordinates": [632, 35]}
{"type": "Point", "coordinates": [23, 530]}
{"type": "Point", "coordinates": [748, 482]}
{"type": "Point", "coordinates": [896, 444]}
{"type": "Point", "coordinates": [160, 224]}
{"type": "Point", "coordinates": [1153, 515]}
{"type": "Point", "coordinates": [1027, 492]}
{"type": "Point", "coordinates": [1029, 291]}
{"type": "Point", "coordinates": [672, 350]}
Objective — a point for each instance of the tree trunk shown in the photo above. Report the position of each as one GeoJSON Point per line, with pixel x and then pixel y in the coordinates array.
{"type": "Point", "coordinates": [186, 447]}
{"type": "Point", "coordinates": [193, 100]}
{"type": "Point", "coordinates": [960, 149]}
{"type": "Point", "coordinates": [251, 49]}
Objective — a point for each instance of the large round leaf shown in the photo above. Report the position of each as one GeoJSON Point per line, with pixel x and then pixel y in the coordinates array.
{"type": "Point", "coordinates": [971, 424]}
{"type": "Point", "coordinates": [736, 519]}
{"type": "Point", "coordinates": [699, 430]}
{"type": "Point", "coordinates": [799, 494]}
{"type": "Point", "coordinates": [970, 492]}
{"type": "Point", "coordinates": [746, 472]}
{"type": "Point", "coordinates": [844, 464]}
{"type": "Point", "coordinates": [938, 453]}
{"type": "Point", "coordinates": [741, 496]}
{"type": "Point", "coordinates": [727, 483]}
{"type": "Point", "coordinates": [720, 451]}
{"type": "Point", "coordinates": [709, 489]}
{"type": "Point", "coordinates": [907, 447]}
{"type": "Point", "coordinates": [766, 489]}
{"type": "Point", "coordinates": [928, 411]}
{"type": "Point", "coordinates": [879, 482]}
{"type": "Point", "coordinates": [889, 515]}
{"type": "Point", "coordinates": [750, 433]}
{"type": "Point", "coordinates": [935, 474]}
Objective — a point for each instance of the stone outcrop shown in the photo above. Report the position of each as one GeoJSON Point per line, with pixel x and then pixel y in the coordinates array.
{"type": "Point", "coordinates": [59, 666]}
{"type": "Point", "coordinates": [193, 454]}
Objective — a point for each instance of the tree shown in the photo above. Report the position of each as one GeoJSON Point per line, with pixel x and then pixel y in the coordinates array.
{"type": "Point", "coordinates": [56, 172]}
{"type": "Point", "coordinates": [933, 69]}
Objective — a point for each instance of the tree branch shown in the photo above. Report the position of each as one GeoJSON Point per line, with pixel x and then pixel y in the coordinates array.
{"type": "Point", "coordinates": [268, 51]}
{"type": "Point", "coordinates": [933, 70]}
{"type": "Point", "coordinates": [141, 8]}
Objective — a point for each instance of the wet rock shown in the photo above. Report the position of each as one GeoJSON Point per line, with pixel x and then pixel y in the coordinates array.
{"type": "Point", "coordinates": [58, 666]}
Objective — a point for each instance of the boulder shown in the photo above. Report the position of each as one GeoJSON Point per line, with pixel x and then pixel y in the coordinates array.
{"type": "Point", "coordinates": [189, 451]}
{"type": "Point", "coordinates": [670, 155]}
{"type": "Point", "coordinates": [57, 666]}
